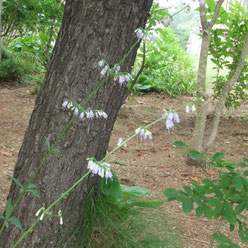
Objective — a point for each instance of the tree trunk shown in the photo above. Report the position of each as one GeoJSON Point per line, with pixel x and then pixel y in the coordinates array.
{"type": "Point", "coordinates": [91, 30]}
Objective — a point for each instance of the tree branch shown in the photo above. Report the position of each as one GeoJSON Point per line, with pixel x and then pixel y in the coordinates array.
{"type": "Point", "coordinates": [216, 13]}
{"type": "Point", "coordinates": [12, 18]}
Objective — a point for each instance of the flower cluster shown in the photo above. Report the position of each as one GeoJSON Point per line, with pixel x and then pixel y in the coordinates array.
{"type": "Point", "coordinates": [201, 2]}
{"type": "Point", "coordinates": [122, 77]}
{"type": "Point", "coordinates": [170, 117]}
{"type": "Point", "coordinates": [90, 114]}
{"type": "Point", "coordinates": [42, 211]}
{"type": "Point", "coordinates": [143, 133]}
{"type": "Point", "coordinates": [188, 108]}
{"type": "Point", "coordinates": [147, 36]}
{"type": "Point", "coordinates": [101, 169]}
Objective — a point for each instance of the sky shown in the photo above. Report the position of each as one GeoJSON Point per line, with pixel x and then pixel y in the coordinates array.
{"type": "Point", "coordinates": [170, 3]}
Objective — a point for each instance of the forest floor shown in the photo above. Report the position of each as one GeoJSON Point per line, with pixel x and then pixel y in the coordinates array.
{"type": "Point", "coordinates": [155, 166]}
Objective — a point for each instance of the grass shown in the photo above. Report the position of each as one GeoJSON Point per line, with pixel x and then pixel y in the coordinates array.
{"type": "Point", "coordinates": [106, 225]}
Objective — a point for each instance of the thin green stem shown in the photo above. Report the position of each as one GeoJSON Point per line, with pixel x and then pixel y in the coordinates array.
{"type": "Point", "coordinates": [45, 211]}
{"type": "Point", "coordinates": [125, 141]}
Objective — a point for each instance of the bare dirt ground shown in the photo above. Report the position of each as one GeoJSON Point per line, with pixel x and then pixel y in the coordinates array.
{"type": "Point", "coordinates": [154, 166]}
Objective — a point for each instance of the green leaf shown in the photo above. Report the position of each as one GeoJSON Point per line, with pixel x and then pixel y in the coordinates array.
{"type": "Point", "coordinates": [34, 192]}
{"type": "Point", "coordinates": [237, 182]}
{"type": "Point", "coordinates": [187, 205]}
{"type": "Point", "coordinates": [214, 202]}
{"type": "Point", "coordinates": [199, 211]}
{"type": "Point", "coordinates": [56, 150]}
{"type": "Point", "coordinates": [148, 204]}
{"type": "Point", "coordinates": [196, 155]}
{"type": "Point", "coordinates": [218, 211]}
{"type": "Point", "coordinates": [16, 222]}
{"type": "Point", "coordinates": [6, 223]}
{"type": "Point", "coordinates": [112, 189]}
{"type": "Point", "coordinates": [171, 194]}
{"type": "Point", "coordinates": [133, 191]}
{"type": "Point", "coordinates": [16, 181]}
{"type": "Point", "coordinates": [218, 156]}
{"type": "Point", "coordinates": [31, 186]}
{"type": "Point", "coordinates": [2, 217]}
{"type": "Point", "coordinates": [230, 214]}
{"type": "Point", "coordinates": [188, 190]}
{"type": "Point", "coordinates": [246, 173]}
{"type": "Point", "coordinates": [8, 208]}
{"type": "Point", "coordinates": [240, 207]}
{"type": "Point", "coordinates": [221, 238]}
{"type": "Point", "coordinates": [180, 144]}
{"type": "Point", "coordinates": [120, 162]}
{"type": "Point", "coordinates": [208, 212]}
{"type": "Point", "coordinates": [48, 144]}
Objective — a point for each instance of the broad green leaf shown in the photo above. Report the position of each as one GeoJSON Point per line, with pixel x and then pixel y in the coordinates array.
{"type": "Point", "coordinates": [214, 202]}
{"type": "Point", "coordinates": [240, 207]}
{"type": "Point", "coordinates": [171, 194]}
{"type": "Point", "coordinates": [208, 212]}
{"type": "Point", "coordinates": [230, 214]}
{"type": "Point", "coordinates": [15, 221]}
{"type": "Point", "coordinates": [34, 192]}
{"type": "Point", "coordinates": [120, 162]}
{"type": "Point", "coordinates": [148, 204]}
{"type": "Point", "coordinates": [187, 205]}
{"type": "Point", "coordinates": [188, 190]}
{"type": "Point", "coordinates": [180, 144]}
{"type": "Point", "coordinates": [218, 155]}
{"type": "Point", "coordinates": [133, 191]}
{"type": "Point", "coordinates": [218, 211]}
{"type": "Point", "coordinates": [1, 216]}
{"type": "Point", "coordinates": [221, 238]}
{"type": "Point", "coordinates": [196, 155]}
{"type": "Point", "coordinates": [197, 199]}
{"type": "Point", "coordinates": [237, 182]}
{"type": "Point", "coordinates": [211, 4]}
{"type": "Point", "coordinates": [16, 181]}
{"type": "Point", "coordinates": [199, 211]}
{"type": "Point", "coordinates": [8, 208]}
{"type": "Point", "coordinates": [112, 189]}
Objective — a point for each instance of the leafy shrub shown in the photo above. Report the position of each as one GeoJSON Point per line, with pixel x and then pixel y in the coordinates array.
{"type": "Point", "coordinates": [15, 66]}
{"type": "Point", "coordinates": [167, 67]}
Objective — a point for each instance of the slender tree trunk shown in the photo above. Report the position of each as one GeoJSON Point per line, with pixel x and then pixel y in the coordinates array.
{"type": "Point", "coordinates": [202, 97]}
{"type": "Point", "coordinates": [221, 102]}
{"type": "Point", "coordinates": [91, 30]}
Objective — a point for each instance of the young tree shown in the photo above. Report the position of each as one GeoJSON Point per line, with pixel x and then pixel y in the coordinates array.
{"type": "Point", "coordinates": [91, 31]}
{"type": "Point", "coordinates": [199, 142]}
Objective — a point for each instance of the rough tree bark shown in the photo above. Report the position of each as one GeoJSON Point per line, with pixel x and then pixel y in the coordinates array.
{"type": "Point", "coordinates": [91, 30]}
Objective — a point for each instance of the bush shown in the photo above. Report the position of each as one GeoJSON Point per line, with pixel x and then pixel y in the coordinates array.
{"type": "Point", "coordinates": [16, 65]}
{"type": "Point", "coordinates": [167, 67]}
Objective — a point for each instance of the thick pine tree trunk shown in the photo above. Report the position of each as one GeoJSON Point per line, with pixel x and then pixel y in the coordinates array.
{"type": "Point", "coordinates": [91, 30]}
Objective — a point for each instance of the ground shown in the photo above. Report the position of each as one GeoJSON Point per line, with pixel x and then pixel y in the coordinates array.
{"type": "Point", "coordinates": [153, 165]}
